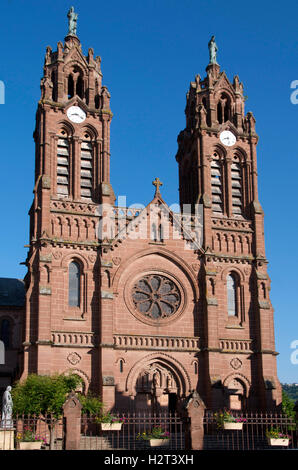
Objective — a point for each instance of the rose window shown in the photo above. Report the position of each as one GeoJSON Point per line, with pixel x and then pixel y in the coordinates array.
{"type": "Point", "coordinates": [156, 296]}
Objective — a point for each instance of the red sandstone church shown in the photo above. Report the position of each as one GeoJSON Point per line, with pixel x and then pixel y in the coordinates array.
{"type": "Point", "coordinates": [143, 307]}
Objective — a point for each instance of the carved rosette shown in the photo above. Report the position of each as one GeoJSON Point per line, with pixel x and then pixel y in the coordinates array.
{"type": "Point", "coordinates": [74, 358]}
{"type": "Point", "coordinates": [236, 363]}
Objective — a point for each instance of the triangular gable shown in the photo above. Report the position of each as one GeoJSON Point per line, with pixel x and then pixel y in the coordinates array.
{"type": "Point", "coordinates": [77, 101]}
{"type": "Point", "coordinates": [75, 55]}
{"type": "Point", "coordinates": [194, 238]}
{"type": "Point", "coordinates": [224, 83]}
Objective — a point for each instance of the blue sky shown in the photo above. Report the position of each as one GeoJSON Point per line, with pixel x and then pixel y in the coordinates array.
{"type": "Point", "coordinates": [150, 52]}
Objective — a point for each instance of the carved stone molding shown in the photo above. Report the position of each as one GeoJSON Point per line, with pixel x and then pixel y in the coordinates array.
{"type": "Point", "coordinates": [240, 346]}
{"type": "Point", "coordinates": [156, 343]}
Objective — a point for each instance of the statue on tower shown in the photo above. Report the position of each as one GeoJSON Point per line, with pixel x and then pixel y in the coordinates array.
{"type": "Point", "coordinates": [212, 50]}
{"type": "Point", "coordinates": [72, 21]}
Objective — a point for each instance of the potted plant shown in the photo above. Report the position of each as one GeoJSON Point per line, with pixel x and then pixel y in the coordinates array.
{"type": "Point", "coordinates": [110, 422]}
{"type": "Point", "coordinates": [156, 437]}
{"type": "Point", "coordinates": [226, 420]}
{"type": "Point", "coordinates": [29, 440]}
{"type": "Point", "coordinates": [276, 438]}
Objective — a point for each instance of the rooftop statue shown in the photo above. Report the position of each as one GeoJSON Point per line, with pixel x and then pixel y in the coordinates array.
{"type": "Point", "coordinates": [72, 21]}
{"type": "Point", "coordinates": [212, 50]}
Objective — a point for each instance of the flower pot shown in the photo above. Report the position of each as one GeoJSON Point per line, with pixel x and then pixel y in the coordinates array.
{"type": "Point", "coordinates": [111, 426]}
{"type": "Point", "coordinates": [233, 426]}
{"type": "Point", "coordinates": [159, 442]}
{"type": "Point", "coordinates": [272, 441]}
{"type": "Point", "coordinates": [30, 445]}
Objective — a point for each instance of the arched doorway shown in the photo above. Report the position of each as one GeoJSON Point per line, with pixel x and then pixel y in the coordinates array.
{"type": "Point", "coordinates": [236, 394]}
{"type": "Point", "coordinates": [158, 386]}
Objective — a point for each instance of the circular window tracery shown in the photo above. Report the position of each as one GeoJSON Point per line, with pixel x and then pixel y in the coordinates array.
{"type": "Point", "coordinates": [156, 296]}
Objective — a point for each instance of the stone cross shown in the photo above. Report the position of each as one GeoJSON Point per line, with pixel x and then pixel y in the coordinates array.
{"type": "Point", "coordinates": [157, 183]}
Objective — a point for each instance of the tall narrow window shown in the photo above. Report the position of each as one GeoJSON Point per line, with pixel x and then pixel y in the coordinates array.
{"type": "Point", "coordinates": [80, 87]}
{"type": "Point", "coordinates": [224, 108]}
{"type": "Point", "coordinates": [74, 281]}
{"type": "Point", "coordinates": [232, 295]}
{"type": "Point", "coordinates": [236, 188]}
{"type": "Point", "coordinates": [86, 168]}
{"type": "Point", "coordinates": [54, 89]}
{"type": "Point", "coordinates": [216, 184]}
{"type": "Point", "coordinates": [5, 332]}
{"type": "Point", "coordinates": [70, 87]}
{"type": "Point", "coordinates": [63, 167]}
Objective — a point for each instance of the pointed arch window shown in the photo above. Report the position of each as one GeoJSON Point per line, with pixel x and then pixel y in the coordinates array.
{"type": "Point", "coordinates": [63, 164]}
{"type": "Point", "coordinates": [74, 284]}
{"type": "Point", "coordinates": [216, 184]}
{"type": "Point", "coordinates": [86, 167]}
{"type": "Point", "coordinates": [224, 108]}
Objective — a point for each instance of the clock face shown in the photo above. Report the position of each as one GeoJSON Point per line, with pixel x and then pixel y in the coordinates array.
{"type": "Point", "coordinates": [227, 138]}
{"type": "Point", "coordinates": [76, 114]}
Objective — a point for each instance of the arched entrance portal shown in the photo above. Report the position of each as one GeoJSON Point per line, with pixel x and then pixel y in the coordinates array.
{"type": "Point", "coordinates": [157, 389]}
{"type": "Point", "coordinates": [236, 394]}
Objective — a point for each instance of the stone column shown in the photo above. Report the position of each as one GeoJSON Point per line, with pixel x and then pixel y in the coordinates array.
{"type": "Point", "coordinates": [195, 409]}
{"type": "Point", "coordinates": [72, 416]}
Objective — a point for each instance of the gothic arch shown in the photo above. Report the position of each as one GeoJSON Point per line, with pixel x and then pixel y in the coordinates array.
{"type": "Point", "coordinates": [240, 378]}
{"type": "Point", "coordinates": [220, 150]}
{"type": "Point", "coordinates": [67, 126]}
{"type": "Point", "coordinates": [74, 257]}
{"type": "Point", "coordinates": [88, 129]}
{"type": "Point", "coordinates": [165, 361]}
{"type": "Point", "coordinates": [239, 152]}
{"type": "Point", "coordinates": [231, 269]}
{"type": "Point", "coordinates": [82, 375]}
{"type": "Point", "coordinates": [176, 260]}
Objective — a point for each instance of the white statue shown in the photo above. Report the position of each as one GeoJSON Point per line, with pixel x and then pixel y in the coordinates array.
{"type": "Point", "coordinates": [6, 421]}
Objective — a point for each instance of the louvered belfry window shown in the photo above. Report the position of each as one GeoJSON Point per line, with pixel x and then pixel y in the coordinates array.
{"type": "Point", "coordinates": [236, 188]}
{"type": "Point", "coordinates": [216, 184]}
{"type": "Point", "coordinates": [63, 167]}
{"type": "Point", "coordinates": [86, 168]}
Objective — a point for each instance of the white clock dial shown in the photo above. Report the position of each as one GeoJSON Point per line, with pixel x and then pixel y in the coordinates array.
{"type": "Point", "coordinates": [76, 114]}
{"type": "Point", "coordinates": [227, 138]}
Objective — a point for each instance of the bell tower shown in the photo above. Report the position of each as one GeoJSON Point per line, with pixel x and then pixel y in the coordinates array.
{"type": "Point", "coordinates": [218, 169]}
{"type": "Point", "coordinates": [72, 177]}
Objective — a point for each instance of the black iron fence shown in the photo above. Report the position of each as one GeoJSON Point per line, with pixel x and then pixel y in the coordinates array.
{"type": "Point", "coordinates": [135, 432]}
{"type": "Point", "coordinates": [253, 432]}
{"type": "Point", "coordinates": [49, 433]}
{"type": "Point", "coordinates": [32, 433]}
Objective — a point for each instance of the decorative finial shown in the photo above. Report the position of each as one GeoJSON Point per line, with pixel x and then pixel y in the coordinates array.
{"type": "Point", "coordinates": [157, 183]}
{"type": "Point", "coordinates": [212, 50]}
{"type": "Point", "coordinates": [72, 21]}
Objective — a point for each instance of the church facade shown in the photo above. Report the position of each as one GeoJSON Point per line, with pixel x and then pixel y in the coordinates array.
{"type": "Point", "coordinates": [147, 305]}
